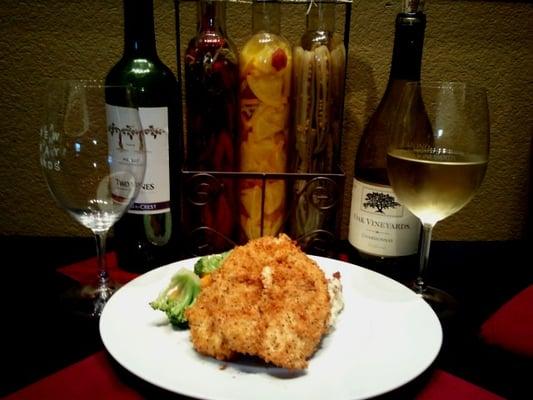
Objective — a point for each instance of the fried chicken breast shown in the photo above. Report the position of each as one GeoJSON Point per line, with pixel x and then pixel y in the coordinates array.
{"type": "Point", "coordinates": [268, 299]}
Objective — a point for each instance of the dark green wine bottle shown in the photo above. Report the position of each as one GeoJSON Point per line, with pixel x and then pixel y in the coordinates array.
{"type": "Point", "coordinates": [147, 236]}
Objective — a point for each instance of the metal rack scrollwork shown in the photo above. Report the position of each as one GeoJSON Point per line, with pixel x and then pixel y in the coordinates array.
{"type": "Point", "coordinates": [322, 192]}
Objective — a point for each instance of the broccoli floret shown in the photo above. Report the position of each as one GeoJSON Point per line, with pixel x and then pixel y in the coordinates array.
{"type": "Point", "coordinates": [207, 264]}
{"type": "Point", "coordinates": [180, 294]}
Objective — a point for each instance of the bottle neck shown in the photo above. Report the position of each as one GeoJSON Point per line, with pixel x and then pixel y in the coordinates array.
{"type": "Point", "coordinates": [412, 6]}
{"type": "Point", "coordinates": [266, 17]}
{"type": "Point", "coordinates": [408, 46]}
{"type": "Point", "coordinates": [139, 33]}
{"type": "Point", "coordinates": [321, 17]}
{"type": "Point", "coordinates": [211, 16]}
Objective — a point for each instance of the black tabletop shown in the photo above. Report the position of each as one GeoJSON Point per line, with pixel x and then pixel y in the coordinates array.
{"type": "Point", "coordinates": [39, 337]}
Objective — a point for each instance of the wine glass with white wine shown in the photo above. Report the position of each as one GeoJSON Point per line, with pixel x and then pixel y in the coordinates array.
{"type": "Point", "coordinates": [436, 160]}
{"type": "Point", "coordinates": [93, 157]}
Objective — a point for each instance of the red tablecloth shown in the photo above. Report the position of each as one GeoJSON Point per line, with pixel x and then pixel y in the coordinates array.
{"type": "Point", "coordinates": [96, 378]}
{"type": "Point", "coordinates": [445, 386]}
{"type": "Point", "coordinates": [85, 271]}
{"type": "Point", "coordinates": [90, 379]}
{"type": "Point", "coordinates": [511, 326]}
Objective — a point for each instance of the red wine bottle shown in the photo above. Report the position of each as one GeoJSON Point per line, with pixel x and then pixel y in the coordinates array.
{"type": "Point", "coordinates": [147, 236]}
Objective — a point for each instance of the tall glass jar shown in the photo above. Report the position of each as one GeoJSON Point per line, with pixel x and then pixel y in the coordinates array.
{"type": "Point", "coordinates": [265, 76]}
{"type": "Point", "coordinates": [318, 81]}
{"type": "Point", "coordinates": [211, 88]}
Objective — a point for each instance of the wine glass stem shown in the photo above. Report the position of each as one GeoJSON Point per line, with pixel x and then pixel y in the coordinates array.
{"type": "Point", "coordinates": [103, 278]}
{"type": "Point", "coordinates": [420, 285]}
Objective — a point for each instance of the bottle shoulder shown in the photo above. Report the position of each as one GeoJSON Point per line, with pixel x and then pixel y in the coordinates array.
{"type": "Point", "coordinates": [135, 70]}
{"type": "Point", "coordinates": [212, 39]}
{"type": "Point", "coordinates": [158, 83]}
{"type": "Point", "coordinates": [377, 130]}
{"type": "Point", "coordinates": [266, 52]}
{"type": "Point", "coordinates": [372, 175]}
{"type": "Point", "coordinates": [313, 39]}
{"type": "Point", "coordinates": [372, 147]}
{"type": "Point", "coordinates": [267, 39]}
{"type": "Point", "coordinates": [216, 46]}
{"type": "Point", "coordinates": [371, 156]}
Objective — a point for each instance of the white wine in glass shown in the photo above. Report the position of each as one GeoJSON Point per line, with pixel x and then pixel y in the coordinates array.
{"type": "Point", "coordinates": [437, 171]}
{"type": "Point", "coordinates": [93, 168]}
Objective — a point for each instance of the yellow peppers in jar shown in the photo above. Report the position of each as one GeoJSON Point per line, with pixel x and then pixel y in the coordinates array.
{"type": "Point", "coordinates": [265, 83]}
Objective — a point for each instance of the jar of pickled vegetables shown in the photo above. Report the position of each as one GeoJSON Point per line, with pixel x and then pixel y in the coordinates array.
{"type": "Point", "coordinates": [265, 65]}
{"type": "Point", "coordinates": [318, 82]}
{"type": "Point", "coordinates": [211, 101]}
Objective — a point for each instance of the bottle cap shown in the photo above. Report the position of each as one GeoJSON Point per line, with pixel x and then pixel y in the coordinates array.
{"type": "Point", "coordinates": [412, 6]}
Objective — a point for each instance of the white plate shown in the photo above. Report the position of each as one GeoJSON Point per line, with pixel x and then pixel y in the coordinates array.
{"type": "Point", "coordinates": [385, 337]}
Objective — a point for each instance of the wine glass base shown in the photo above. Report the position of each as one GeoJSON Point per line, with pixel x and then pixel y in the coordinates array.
{"type": "Point", "coordinates": [88, 301]}
{"type": "Point", "coordinates": [444, 304]}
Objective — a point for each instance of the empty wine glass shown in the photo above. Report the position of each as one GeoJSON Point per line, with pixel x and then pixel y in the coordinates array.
{"type": "Point", "coordinates": [93, 157]}
{"type": "Point", "coordinates": [436, 160]}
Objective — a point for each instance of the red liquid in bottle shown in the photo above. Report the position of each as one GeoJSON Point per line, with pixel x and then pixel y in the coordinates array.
{"type": "Point", "coordinates": [211, 79]}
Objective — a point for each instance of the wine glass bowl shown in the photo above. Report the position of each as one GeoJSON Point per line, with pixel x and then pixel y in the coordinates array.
{"type": "Point", "coordinates": [436, 160]}
{"type": "Point", "coordinates": [435, 183]}
{"type": "Point", "coordinates": [93, 159]}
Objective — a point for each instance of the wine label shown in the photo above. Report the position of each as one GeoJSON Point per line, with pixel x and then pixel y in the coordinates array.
{"type": "Point", "coordinates": [154, 194]}
{"type": "Point", "coordinates": [379, 224]}
{"type": "Point", "coordinates": [127, 161]}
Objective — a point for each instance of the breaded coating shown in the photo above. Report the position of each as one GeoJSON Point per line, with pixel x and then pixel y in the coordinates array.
{"type": "Point", "coordinates": [268, 299]}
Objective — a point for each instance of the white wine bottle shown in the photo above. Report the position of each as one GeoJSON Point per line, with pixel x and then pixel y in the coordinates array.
{"type": "Point", "coordinates": [384, 233]}
{"type": "Point", "coordinates": [147, 235]}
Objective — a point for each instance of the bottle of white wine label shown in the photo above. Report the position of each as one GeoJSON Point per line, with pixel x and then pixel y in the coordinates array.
{"type": "Point", "coordinates": [381, 230]}
{"type": "Point", "coordinates": [381, 225]}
